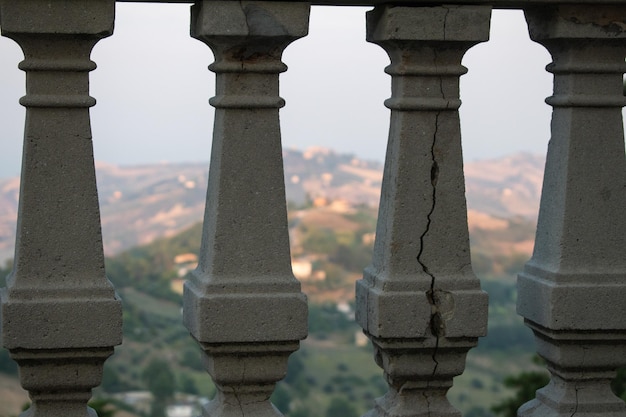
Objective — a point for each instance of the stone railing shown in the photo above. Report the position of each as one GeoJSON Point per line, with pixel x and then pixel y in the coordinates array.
{"type": "Point", "coordinates": [419, 301]}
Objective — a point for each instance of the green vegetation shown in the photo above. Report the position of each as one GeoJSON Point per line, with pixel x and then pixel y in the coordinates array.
{"type": "Point", "coordinates": [524, 385]}
{"type": "Point", "coordinates": [339, 407]}
{"type": "Point", "coordinates": [160, 381]}
{"type": "Point", "coordinates": [340, 246]}
{"type": "Point", "coordinates": [150, 269]}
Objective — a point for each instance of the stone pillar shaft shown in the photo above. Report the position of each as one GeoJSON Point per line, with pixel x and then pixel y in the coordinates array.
{"type": "Point", "coordinates": [419, 301]}
{"type": "Point", "coordinates": [243, 304]}
{"type": "Point", "coordinates": [60, 315]}
{"type": "Point", "coordinates": [572, 293]}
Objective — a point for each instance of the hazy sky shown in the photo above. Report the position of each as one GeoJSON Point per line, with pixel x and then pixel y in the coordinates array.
{"type": "Point", "coordinates": [153, 86]}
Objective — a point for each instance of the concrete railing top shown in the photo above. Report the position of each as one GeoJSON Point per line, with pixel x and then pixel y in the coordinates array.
{"type": "Point", "coordinates": [498, 4]}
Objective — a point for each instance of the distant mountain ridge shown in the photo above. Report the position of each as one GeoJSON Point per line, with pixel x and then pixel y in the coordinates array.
{"type": "Point", "coordinates": [505, 187]}
{"type": "Point", "coordinates": [141, 203]}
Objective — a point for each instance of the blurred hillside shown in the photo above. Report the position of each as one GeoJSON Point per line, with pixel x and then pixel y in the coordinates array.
{"type": "Point", "coordinates": [141, 203]}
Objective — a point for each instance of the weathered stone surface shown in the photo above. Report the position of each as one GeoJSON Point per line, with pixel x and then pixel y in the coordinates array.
{"type": "Point", "coordinates": [419, 301]}
{"type": "Point", "coordinates": [260, 317]}
{"type": "Point", "coordinates": [60, 315]}
{"type": "Point", "coordinates": [93, 18]}
{"type": "Point", "coordinates": [441, 23]}
{"type": "Point", "coordinates": [572, 292]}
{"type": "Point", "coordinates": [243, 304]}
{"type": "Point", "coordinates": [58, 323]}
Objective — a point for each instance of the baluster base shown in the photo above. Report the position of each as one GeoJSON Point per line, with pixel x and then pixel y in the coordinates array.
{"type": "Point", "coordinates": [245, 375]}
{"type": "Point", "coordinates": [59, 381]}
{"type": "Point", "coordinates": [589, 398]}
{"type": "Point", "coordinates": [415, 402]}
{"type": "Point", "coordinates": [582, 366]}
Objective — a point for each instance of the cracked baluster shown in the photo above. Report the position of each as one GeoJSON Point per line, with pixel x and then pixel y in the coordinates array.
{"type": "Point", "coordinates": [60, 315]}
{"type": "Point", "coordinates": [243, 304]}
{"type": "Point", "coordinates": [419, 301]}
{"type": "Point", "coordinates": [572, 293]}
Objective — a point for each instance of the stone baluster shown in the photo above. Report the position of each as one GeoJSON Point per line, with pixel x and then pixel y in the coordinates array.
{"type": "Point", "coordinates": [243, 304]}
{"type": "Point", "coordinates": [572, 293]}
{"type": "Point", "coordinates": [419, 301]}
{"type": "Point", "coordinates": [60, 315]}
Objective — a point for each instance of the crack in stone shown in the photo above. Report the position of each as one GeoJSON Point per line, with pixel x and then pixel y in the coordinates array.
{"type": "Point", "coordinates": [235, 389]}
{"type": "Point", "coordinates": [427, 402]}
{"type": "Point", "coordinates": [582, 374]}
{"type": "Point", "coordinates": [436, 321]}
{"type": "Point", "coordinates": [437, 327]}
{"type": "Point", "coordinates": [576, 399]}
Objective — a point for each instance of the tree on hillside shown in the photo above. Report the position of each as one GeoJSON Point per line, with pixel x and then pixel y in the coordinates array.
{"type": "Point", "coordinates": [187, 384]}
{"type": "Point", "coordinates": [525, 386]}
{"type": "Point", "coordinates": [160, 381]}
{"type": "Point", "coordinates": [281, 398]}
{"type": "Point", "coordinates": [340, 407]}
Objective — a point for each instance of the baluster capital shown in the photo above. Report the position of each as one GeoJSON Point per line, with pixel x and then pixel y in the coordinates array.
{"type": "Point", "coordinates": [425, 48]}
{"type": "Point", "coordinates": [392, 25]}
{"type": "Point", "coordinates": [249, 36]}
{"type": "Point", "coordinates": [574, 23]}
{"type": "Point", "coordinates": [43, 18]}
